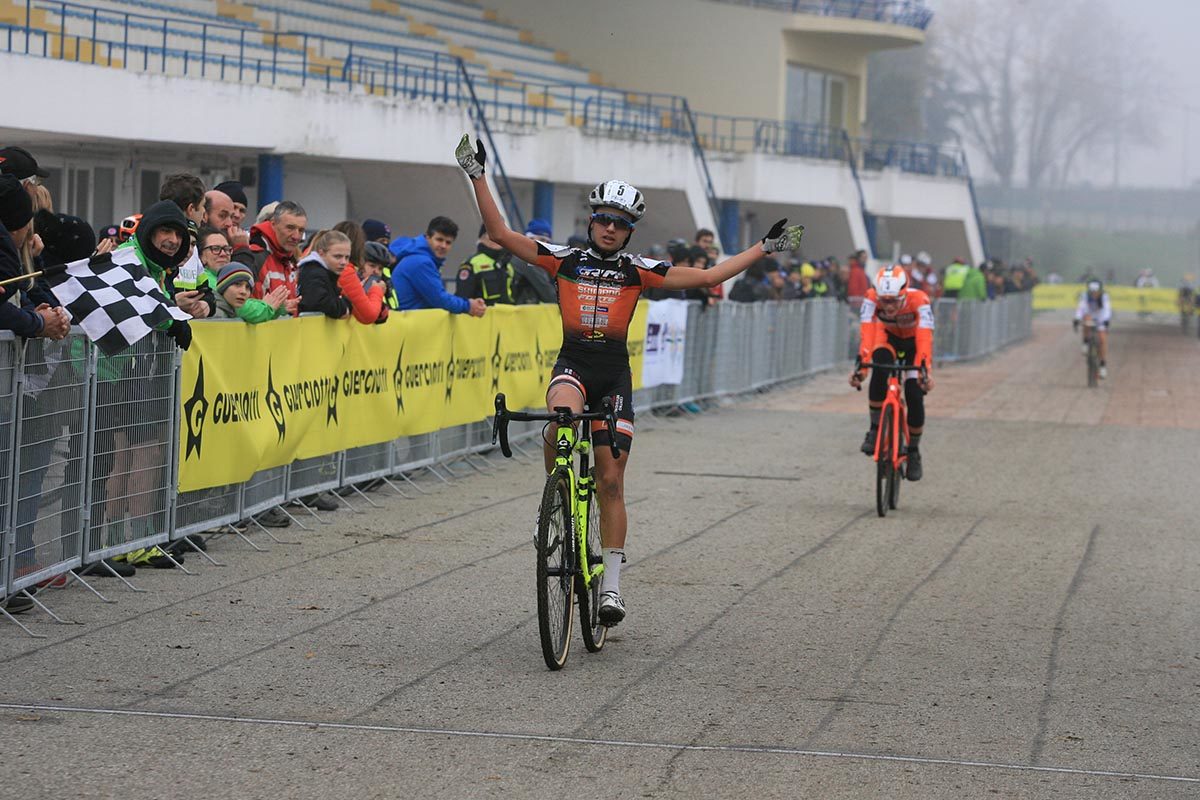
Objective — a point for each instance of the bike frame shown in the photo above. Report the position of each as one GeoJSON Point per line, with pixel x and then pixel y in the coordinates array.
{"type": "Point", "coordinates": [582, 488]}
{"type": "Point", "coordinates": [581, 484]}
{"type": "Point", "coordinates": [895, 400]}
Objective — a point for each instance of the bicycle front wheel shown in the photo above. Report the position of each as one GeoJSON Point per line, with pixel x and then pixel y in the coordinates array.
{"type": "Point", "coordinates": [883, 466]}
{"type": "Point", "coordinates": [895, 476]}
{"type": "Point", "coordinates": [555, 570]}
{"type": "Point", "coordinates": [1093, 362]}
{"type": "Point", "coordinates": [594, 632]}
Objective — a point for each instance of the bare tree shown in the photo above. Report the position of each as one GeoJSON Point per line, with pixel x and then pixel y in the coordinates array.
{"type": "Point", "coordinates": [1039, 85]}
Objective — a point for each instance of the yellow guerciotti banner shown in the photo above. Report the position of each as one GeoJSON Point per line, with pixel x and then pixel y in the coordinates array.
{"type": "Point", "coordinates": [1123, 298]}
{"type": "Point", "coordinates": [260, 396]}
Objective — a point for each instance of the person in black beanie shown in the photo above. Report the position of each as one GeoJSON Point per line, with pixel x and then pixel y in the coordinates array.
{"type": "Point", "coordinates": [237, 193]}
{"type": "Point", "coordinates": [65, 238]}
{"type": "Point", "coordinates": [16, 226]}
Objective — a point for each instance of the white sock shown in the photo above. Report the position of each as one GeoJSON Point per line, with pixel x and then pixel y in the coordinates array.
{"type": "Point", "coordinates": [610, 581]}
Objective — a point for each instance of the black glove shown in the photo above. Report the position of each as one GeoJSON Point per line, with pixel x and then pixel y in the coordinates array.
{"type": "Point", "coordinates": [471, 162]}
{"type": "Point", "coordinates": [181, 332]}
{"type": "Point", "coordinates": [1075, 325]}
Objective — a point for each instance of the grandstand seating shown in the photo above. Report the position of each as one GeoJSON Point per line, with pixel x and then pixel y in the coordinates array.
{"type": "Point", "coordinates": [382, 46]}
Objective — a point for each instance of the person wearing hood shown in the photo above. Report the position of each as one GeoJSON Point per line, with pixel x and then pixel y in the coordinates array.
{"type": "Point", "coordinates": [417, 277]}
{"type": "Point", "coordinates": [161, 243]}
{"type": "Point", "coordinates": [17, 313]}
{"type": "Point", "coordinates": [271, 255]}
{"type": "Point", "coordinates": [486, 274]}
{"type": "Point", "coordinates": [329, 283]}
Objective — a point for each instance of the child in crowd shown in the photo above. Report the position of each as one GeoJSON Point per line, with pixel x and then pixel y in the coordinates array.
{"type": "Point", "coordinates": [234, 285]}
{"type": "Point", "coordinates": [330, 284]}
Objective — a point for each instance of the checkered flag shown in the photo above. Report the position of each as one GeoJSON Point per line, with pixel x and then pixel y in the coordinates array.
{"type": "Point", "coordinates": [113, 298]}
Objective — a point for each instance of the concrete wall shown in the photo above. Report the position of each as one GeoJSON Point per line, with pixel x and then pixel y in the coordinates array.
{"type": "Point", "coordinates": [725, 58]}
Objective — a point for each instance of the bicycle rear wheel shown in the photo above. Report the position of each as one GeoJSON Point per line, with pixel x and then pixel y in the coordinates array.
{"type": "Point", "coordinates": [594, 632]}
{"type": "Point", "coordinates": [555, 570]}
{"type": "Point", "coordinates": [883, 466]}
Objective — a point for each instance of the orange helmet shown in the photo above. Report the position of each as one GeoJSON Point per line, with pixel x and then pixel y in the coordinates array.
{"type": "Point", "coordinates": [891, 282]}
{"type": "Point", "coordinates": [129, 226]}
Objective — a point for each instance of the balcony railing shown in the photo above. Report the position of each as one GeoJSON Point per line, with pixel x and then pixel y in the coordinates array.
{"type": "Point", "coordinates": [231, 52]}
{"type": "Point", "coordinates": [909, 13]}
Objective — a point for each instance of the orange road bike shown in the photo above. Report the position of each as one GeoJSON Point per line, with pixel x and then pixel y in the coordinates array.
{"type": "Point", "coordinates": [891, 442]}
{"type": "Point", "coordinates": [570, 560]}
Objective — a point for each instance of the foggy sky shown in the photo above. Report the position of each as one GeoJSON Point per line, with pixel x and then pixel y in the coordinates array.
{"type": "Point", "coordinates": [1169, 29]}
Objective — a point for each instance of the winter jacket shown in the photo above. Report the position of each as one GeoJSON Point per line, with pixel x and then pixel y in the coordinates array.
{"type": "Point", "coordinates": [16, 315]}
{"type": "Point", "coordinates": [271, 263]}
{"type": "Point", "coordinates": [338, 296]}
{"type": "Point", "coordinates": [417, 278]}
{"type": "Point", "coordinates": [252, 311]}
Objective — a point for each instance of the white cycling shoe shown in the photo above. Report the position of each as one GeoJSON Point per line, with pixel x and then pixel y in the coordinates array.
{"type": "Point", "coordinates": [612, 609]}
{"type": "Point", "coordinates": [1104, 372]}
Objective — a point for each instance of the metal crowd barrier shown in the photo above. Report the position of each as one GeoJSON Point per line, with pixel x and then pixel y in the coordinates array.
{"type": "Point", "coordinates": [89, 444]}
{"type": "Point", "coordinates": [966, 329]}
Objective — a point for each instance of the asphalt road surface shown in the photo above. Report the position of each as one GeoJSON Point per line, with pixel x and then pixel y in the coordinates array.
{"type": "Point", "coordinates": [1025, 625]}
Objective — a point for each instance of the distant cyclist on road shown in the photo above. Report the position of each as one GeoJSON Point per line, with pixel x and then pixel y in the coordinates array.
{"type": "Point", "coordinates": [897, 327]}
{"type": "Point", "coordinates": [598, 289]}
{"type": "Point", "coordinates": [1094, 305]}
{"type": "Point", "coordinates": [1187, 302]}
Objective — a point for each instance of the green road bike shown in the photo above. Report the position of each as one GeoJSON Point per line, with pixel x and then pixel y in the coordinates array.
{"type": "Point", "coordinates": [570, 560]}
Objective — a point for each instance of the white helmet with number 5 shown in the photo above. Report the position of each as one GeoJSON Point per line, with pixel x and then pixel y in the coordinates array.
{"type": "Point", "coordinates": [618, 194]}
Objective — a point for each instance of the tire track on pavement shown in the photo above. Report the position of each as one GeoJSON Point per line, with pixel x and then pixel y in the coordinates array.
{"type": "Point", "coordinates": [527, 619]}
{"type": "Point", "coordinates": [844, 696]}
{"type": "Point", "coordinates": [673, 656]}
{"type": "Point", "coordinates": [1038, 747]}
{"type": "Point", "coordinates": [259, 576]}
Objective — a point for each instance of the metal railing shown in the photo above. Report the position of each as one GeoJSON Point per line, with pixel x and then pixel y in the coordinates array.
{"type": "Point", "coordinates": [909, 13]}
{"type": "Point", "coordinates": [966, 329]}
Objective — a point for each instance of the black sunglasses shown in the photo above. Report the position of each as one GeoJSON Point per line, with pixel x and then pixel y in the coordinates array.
{"type": "Point", "coordinates": [605, 220]}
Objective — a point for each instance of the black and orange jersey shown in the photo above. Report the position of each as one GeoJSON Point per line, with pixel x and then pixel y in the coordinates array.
{"type": "Point", "coordinates": [913, 320]}
{"type": "Point", "coordinates": [597, 297]}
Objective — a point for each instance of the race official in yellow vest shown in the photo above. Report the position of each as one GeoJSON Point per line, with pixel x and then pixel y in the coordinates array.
{"type": "Point", "coordinates": [487, 274]}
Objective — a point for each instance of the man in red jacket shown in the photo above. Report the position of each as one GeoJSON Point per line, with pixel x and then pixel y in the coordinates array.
{"type": "Point", "coordinates": [857, 283]}
{"type": "Point", "coordinates": [271, 255]}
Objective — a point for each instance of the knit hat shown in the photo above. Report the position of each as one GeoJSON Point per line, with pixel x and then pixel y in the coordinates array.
{"type": "Point", "coordinates": [373, 229]}
{"type": "Point", "coordinates": [16, 207]}
{"type": "Point", "coordinates": [235, 190]}
{"type": "Point", "coordinates": [66, 238]}
{"type": "Point", "coordinates": [539, 227]}
{"type": "Point", "coordinates": [232, 273]}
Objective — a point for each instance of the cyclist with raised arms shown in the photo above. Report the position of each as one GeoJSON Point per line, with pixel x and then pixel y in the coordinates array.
{"type": "Point", "coordinates": [1094, 305]}
{"type": "Point", "coordinates": [598, 289]}
{"type": "Point", "coordinates": [897, 323]}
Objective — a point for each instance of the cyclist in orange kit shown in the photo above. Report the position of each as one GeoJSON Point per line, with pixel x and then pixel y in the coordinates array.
{"type": "Point", "coordinates": [897, 327]}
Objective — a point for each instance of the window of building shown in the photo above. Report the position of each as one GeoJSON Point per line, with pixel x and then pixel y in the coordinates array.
{"type": "Point", "coordinates": [815, 97]}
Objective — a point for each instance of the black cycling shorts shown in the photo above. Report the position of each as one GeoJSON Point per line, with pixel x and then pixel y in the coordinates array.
{"type": "Point", "coordinates": [595, 385]}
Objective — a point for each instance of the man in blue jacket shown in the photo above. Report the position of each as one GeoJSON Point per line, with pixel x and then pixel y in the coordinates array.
{"type": "Point", "coordinates": [417, 277]}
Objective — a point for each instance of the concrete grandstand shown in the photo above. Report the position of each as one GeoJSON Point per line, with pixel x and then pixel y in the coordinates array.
{"type": "Point", "coordinates": [354, 105]}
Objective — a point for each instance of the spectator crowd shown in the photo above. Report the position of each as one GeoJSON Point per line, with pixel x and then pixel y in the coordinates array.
{"type": "Point", "coordinates": [214, 257]}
